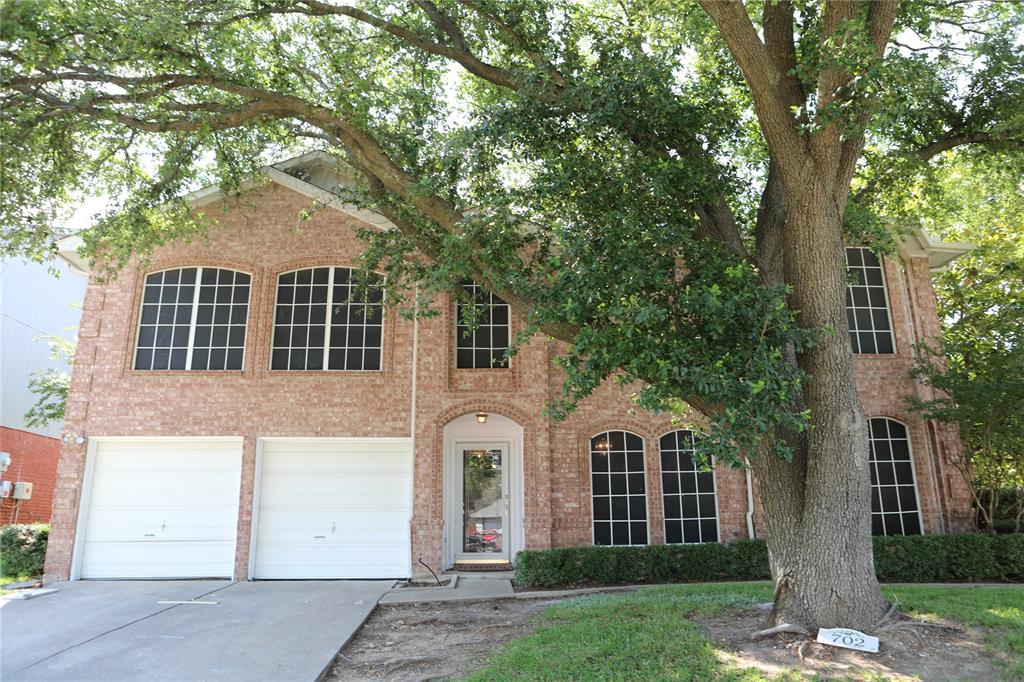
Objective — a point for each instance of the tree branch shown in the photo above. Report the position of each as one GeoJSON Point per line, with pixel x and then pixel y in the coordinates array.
{"type": "Point", "coordinates": [764, 81]}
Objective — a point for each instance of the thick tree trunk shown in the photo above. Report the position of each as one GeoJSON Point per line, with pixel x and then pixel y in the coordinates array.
{"type": "Point", "coordinates": [817, 507]}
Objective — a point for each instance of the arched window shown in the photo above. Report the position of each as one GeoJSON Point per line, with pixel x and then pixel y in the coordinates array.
{"type": "Point", "coordinates": [619, 488]}
{"type": "Point", "coordinates": [894, 507]}
{"type": "Point", "coordinates": [867, 305]}
{"type": "Point", "coordinates": [193, 319]}
{"type": "Point", "coordinates": [327, 319]}
{"type": "Point", "coordinates": [691, 511]}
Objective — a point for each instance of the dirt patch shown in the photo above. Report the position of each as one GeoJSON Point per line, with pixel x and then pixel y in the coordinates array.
{"type": "Point", "coordinates": [433, 641]}
{"type": "Point", "coordinates": [445, 640]}
{"type": "Point", "coordinates": [906, 653]}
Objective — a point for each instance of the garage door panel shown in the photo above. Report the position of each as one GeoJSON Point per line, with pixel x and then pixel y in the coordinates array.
{"type": "Point", "coordinates": [160, 559]}
{"type": "Point", "coordinates": [162, 509]}
{"type": "Point", "coordinates": [345, 538]}
{"type": "Point", "coordinates": [334, 509]}
{"type": "Point", "coordinates": [339, 500]}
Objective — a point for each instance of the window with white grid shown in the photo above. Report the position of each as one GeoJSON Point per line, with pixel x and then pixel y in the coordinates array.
{"type": "Point", "coordinates": [193, 319]}
{"type": "Point", "coordinates": [618, 488]}
{"type": "Point", "coordinates": [481, 334]}
{"type": "Point", "coordinates": [867, 305]}
{"type": "Point", "coordinates": [894, 508]}
{"type": "Point", "coordinates": [327, 319]}
{"type": "Point", "coordinates": [691, 511]}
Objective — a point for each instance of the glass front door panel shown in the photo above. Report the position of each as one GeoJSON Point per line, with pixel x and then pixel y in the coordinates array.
{"type": "Point", "coordinates": [483, 501]}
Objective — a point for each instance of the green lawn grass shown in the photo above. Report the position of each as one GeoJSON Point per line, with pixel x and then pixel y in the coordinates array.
{"type": "Point", "coordinates": [640, 635]}
{"type": "Point", "coordinates": [998, 611]}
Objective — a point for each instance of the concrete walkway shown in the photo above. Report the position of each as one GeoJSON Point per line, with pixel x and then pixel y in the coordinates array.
{"type": "Point", "coordinates": [280, 630]}
{"type": "Point", "coordinates": [468, 587]}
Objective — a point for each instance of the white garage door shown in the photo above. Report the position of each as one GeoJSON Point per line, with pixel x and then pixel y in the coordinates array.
{"type": "Point", "coordinates": [334, 508]}
{"type": "Point", "coordinates": [162, 509]}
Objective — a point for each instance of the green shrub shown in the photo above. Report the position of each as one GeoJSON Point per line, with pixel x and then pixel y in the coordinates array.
{"type": "Point", "coordinates": [23, 549]}
{"type": "Point", "coordinates": [966, 557]}
{"type": "Point", "coordinates": [1009, 551]}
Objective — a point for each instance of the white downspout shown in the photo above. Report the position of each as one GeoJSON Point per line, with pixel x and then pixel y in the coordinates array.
{"type": "Point", "coordinates": [412, 403]}
{"type": "Point", "coordinates": [750, 501]}
{"type": "Point", "coordinates": [415, 364]}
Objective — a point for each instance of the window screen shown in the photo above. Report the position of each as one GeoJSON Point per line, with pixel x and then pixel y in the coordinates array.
{"type": "Point", "coordinates": [193, 318]}
{"type": "Point", "coordinates": [618, 488]}
{"type": "Point", "coordinates": [326, 319]}
{"type": "Point", "coordinates": [486, 345]}
{"type": "Point", "coordinates": [867, 306]}
{"type": "Point", "coordinates": [894, 509]}
{"type": "Point", "coordinates": [691, 512]}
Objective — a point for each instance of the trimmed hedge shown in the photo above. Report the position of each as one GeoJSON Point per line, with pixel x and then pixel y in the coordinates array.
{"type": "Point", "coordinates": [23, 549]}
{"type": "Point", "coordinates": [965, 557]}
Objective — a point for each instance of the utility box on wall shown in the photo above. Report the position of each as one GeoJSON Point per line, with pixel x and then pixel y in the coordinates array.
{"type": "Point", "coordinates": [22, 490]}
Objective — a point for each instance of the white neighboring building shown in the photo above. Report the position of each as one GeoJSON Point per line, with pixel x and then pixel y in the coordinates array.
{"type": "Point", "coordinates": [34, 302]}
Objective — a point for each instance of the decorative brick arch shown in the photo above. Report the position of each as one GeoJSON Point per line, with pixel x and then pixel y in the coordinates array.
{"type": "Point", "coordinates": [490, 406]}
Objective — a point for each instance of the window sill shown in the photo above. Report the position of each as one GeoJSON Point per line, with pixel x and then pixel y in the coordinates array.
{"type": "Point", "coordinates": [324, 372]}
{"type": "Point", "coordinates": [187, 372]}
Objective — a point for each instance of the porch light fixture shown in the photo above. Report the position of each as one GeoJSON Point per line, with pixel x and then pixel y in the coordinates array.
{"type": "Point", "coordinates": [481, 417]}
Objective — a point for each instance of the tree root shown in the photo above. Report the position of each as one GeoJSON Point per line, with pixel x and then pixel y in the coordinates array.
{"type": "Point", "coordinates": [780, 629]}
{"type": "Point", "coordinates": [910, 624]}
{"type": "Point", "coordinates": [885, 619]}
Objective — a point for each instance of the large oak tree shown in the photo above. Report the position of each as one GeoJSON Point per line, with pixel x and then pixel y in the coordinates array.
{"type": "Point", "coordinates": [665, 187]}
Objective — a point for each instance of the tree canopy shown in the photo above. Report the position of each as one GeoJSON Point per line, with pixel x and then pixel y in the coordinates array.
{"type": "Point", "coordinates": [619, 133]}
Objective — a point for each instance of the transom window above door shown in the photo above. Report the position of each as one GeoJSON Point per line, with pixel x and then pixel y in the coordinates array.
{"type": "Point", "coordinates": [193, 319]}
{"type": "Point", "coordinates": [867, 303]}
{"type": "Point", "coordinates": [327, 319]}
{"type": "Point", "coordinates": [482, 330]}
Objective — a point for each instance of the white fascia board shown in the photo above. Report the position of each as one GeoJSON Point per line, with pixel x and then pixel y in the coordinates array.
{"type": "Point", "coordinates": [67, 251]}
{"type": "Point", "coordinates": [919, 243]}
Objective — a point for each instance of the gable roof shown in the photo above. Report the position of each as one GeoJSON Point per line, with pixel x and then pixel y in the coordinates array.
{"type": "Point", "coordinates": [318, 175]}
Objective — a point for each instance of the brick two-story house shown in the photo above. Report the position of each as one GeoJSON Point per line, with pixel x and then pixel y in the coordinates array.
{"type": "Point", "coordinates": [234, 413]}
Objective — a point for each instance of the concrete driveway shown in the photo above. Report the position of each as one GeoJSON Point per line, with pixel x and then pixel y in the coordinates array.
{"type": "Point", "coordinates": [118, 630]}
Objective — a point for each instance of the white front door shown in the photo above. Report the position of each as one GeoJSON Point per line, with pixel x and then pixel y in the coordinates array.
{"type": "Point", "coordinates": [481, 529]}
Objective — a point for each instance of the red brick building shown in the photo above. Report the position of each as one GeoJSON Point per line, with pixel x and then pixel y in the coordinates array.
{"type": "Point", "coordinates": [239, 421]}
{"type": "Point", "coordinates": [34, 460]}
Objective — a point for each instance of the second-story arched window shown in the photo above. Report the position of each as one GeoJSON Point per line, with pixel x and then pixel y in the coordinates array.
{"type": "Point", "coordinates": [327, 319]}
{"type": "Point", "coordinates": [193, 319]}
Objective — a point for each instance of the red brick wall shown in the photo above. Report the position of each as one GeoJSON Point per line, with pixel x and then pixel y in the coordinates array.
{"type": "Point", "coordinates": [259, 236]}
{"type": "Point", "coordinates": [33, 459]}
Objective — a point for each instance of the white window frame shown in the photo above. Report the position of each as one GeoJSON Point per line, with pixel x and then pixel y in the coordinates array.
{"type": "Point", "coordinates": [647, 497]}
{"type": "Point", "coordinates": [327, 321]}
{"type": "Point", "coordinates": [885, 294]}
{"type": "Point", "coordinates": [192, 318]}
{"type": "Point", "coordinates": [714, 483]}
{"type": "Point", "coordinates": [913, 475]}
